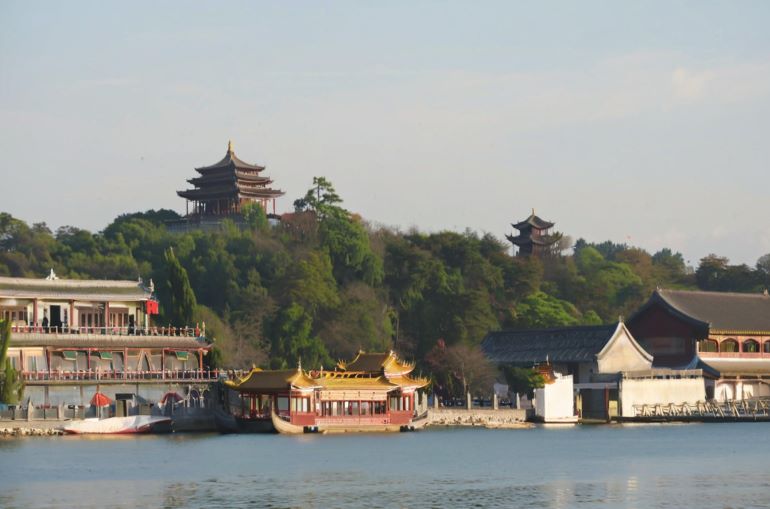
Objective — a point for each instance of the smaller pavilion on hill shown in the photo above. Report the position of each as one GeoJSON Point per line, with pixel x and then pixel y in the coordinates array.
{"type": "Point", "coordinates": [534, 237]}
{"type": "Point", "coordinates": [224, 187]}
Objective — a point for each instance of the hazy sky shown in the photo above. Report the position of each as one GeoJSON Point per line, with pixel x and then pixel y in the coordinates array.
{"type": "Point", "coordinates": [643, 122]}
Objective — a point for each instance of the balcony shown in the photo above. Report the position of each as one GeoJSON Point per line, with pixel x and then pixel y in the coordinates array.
{"type": "Point", "coordinates": [30, 330]}
{"type": "Point", "coordinates": [107, 377]}
{"type": "Point", "coordinates": [109, 337]}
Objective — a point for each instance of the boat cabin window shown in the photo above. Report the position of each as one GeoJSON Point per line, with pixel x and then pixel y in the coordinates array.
{"type": "Point", "coordinates": [300, 405]}
{"type": "Point", "coordinates": [283, 404]}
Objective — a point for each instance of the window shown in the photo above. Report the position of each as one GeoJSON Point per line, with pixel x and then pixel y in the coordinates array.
{"type": "Point", "coordinates": [751, 346]}
{"type": "Point", "coordinates": [708, 345]}
{"type": "Point", "coordinates": [729, 345]}
{"type": "Point", "coordinates": [300, 405]}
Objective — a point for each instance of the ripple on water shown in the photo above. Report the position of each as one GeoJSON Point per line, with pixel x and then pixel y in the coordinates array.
{"type": "Point", "coordinates": [610, 467]}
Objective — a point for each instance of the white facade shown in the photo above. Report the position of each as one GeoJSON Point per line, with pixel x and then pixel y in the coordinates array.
{"type": "Point", "coordinates": [554, 402]}
{"type": "Point", "coordinates": [660, 390]}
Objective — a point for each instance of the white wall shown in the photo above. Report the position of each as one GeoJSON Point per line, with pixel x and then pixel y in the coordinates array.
{"type": "Point", "coordinates": [653, 391]}
{"type": "Point", "coordinates": [623, 353]}
{"type": "Point", "coordinates": [555, 401]}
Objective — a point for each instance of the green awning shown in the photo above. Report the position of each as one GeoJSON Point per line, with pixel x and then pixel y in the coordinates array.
{"type": "Point", "coordinates": [182, 356]}
{"type": "Point", "coordinates": [70, 355]}
{"type": "Point", "coordinates": [105, 356]}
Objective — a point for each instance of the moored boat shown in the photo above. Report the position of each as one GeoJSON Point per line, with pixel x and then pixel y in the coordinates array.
{"type": "Point", "coordinates": [372, 393]}
{"type": "Point", "coordinates": [117, 425]}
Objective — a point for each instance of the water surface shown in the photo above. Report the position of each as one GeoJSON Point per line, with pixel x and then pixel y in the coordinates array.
{"type": "Point", "coordinates": [698, 465]}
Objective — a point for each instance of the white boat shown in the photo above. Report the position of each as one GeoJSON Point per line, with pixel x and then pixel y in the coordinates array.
{"type": "Point", "coordinates": [116, 425]}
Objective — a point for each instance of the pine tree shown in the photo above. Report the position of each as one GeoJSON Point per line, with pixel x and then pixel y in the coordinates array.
{"type": "Point", "coordinates": [11, 387]}
{"type": "Point", "coordinates": [181, 303]}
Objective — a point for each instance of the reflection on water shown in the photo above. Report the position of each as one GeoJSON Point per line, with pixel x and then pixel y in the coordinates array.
{"type": "Point", "coordinates": [603, 466]}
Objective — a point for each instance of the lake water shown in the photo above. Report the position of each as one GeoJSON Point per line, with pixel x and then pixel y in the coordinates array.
{"type": "Point", "coordinates": [642, 466]}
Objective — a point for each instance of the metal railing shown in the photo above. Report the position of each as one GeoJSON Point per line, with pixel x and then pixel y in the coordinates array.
{"type": "Point", "coordinates": [105, 376]}
{"type": "Point", "coordinates": [731, 409]}
{"type": "Point", "coordinates": [191, 332]}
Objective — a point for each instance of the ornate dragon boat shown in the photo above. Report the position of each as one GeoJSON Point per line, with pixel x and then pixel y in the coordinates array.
{"type": "Point", "coordinates": [372, 393]}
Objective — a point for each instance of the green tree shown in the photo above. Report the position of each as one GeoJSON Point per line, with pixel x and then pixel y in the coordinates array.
{"type": "Point", "coordinates": [711, 271]}
{"type": "Point", "coordinates": [293, 340]}
{"type": "Point", "coordinates": [542, 310]}
{"type": "Point", "coordinates": [523, 380]}
{"type": "Point", "coordinates": [321, 198]}
{"type": "Point", "coordinates": [11, 386]}
{"type": "Point", "coordinates": [255, 216]}
{"type": "Point", "coordinates": [179, 306]}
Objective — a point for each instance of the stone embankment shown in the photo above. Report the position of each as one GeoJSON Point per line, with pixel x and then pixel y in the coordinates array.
{"type": "Point", "coordinates": [30, 429]}
{"type": "Point", "coordinates": [487, 418]}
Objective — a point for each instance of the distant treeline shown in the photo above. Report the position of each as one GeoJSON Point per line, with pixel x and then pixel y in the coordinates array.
{"type": "Point", "coordinates": [323, 284]}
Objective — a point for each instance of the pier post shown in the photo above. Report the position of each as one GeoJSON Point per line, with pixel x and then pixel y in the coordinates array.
{"type": "Point", "coordinates": [495, 404]}
{"type": "Point", "coordinates": [468, 401]}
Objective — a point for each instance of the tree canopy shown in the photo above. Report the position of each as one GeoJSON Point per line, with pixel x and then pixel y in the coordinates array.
{"type": "Point", "coordinates": [322, 283]}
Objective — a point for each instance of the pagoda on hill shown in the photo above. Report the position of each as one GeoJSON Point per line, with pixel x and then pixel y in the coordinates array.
{"type": "Point", "coordinates": [224, 187]}
{"type": "Point", "coordinates": [534, 237]}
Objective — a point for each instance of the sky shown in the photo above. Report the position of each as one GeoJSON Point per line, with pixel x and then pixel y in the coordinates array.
{"type": "Point", "coordinates": [638, 122]}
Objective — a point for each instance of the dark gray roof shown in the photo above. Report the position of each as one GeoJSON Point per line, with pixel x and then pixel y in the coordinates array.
{"type": "Point", "coordinates": [562, 344]}
{"type": "Point", "coordinates": [230, 161]}
{"type": "Point", "coordinates": [725, 311]}
{"type": "Point", "coordinates": [533, 221]}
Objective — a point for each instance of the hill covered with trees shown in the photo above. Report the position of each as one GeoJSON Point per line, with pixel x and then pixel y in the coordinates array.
{"type": "Point", "coordinates": [322, 283]}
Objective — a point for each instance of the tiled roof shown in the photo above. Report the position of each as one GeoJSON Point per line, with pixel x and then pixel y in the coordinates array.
{"type": "Point", "coordinates": [533, 221]}
{"type": "Point", "coordinates": [721, 310]}
{"type": "Point", "coordinates": [562, 344]}
{"type": "Point", "coordinates": [230, 160]}
{"type": "Point", "coordinates": [387, 363]}
{"type": "Point", "coordinates": [273, 380]}
{"type": "Point", "coordinates": [72, 289]}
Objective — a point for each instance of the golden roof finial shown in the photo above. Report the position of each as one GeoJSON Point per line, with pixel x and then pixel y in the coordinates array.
{"type": "Point", "coordinates": [229, 146]}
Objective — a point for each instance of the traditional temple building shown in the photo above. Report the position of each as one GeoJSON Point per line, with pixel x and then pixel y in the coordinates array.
{"type": "Point", "coordinates": [222, 188]}
{"type": "Point", "coordinates": [534, 237]}
{"type": "Point", "coordinates": [373, 391]}
{"type": "Point", "coordinates": [69, 337]}
{"type": "Point", "coordinates": [726, 334]}
{"type": "Point", "coordinates": [611, 371]}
